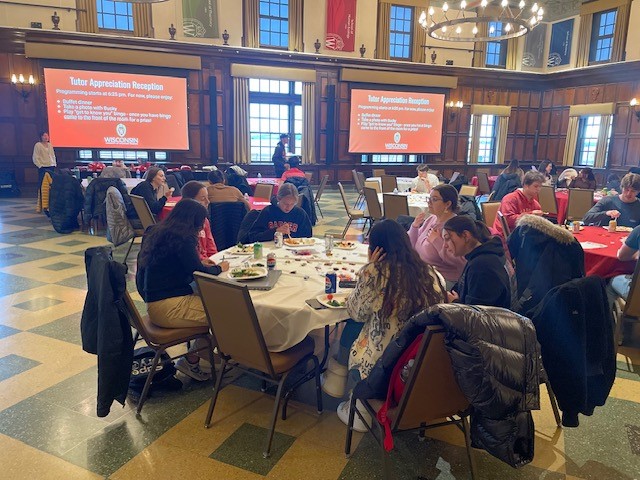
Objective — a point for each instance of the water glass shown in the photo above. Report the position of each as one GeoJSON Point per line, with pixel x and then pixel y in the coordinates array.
{"type": "Point", "coordinates": [328, 243]}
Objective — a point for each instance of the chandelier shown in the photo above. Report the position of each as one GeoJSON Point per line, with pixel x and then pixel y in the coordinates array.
{"type": "Point", "coordinates": [491, 23]}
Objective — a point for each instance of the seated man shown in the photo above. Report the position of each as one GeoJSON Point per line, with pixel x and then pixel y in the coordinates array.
{"type": "Point", "coordinates": [521, 201]}
{"type": "Point", "coordinates": [627, 252]}
{"type": "Point", "coordinates": [625, 208]}
{"type": "Point", "coordinates": [293, 171]}
{"type": "Point", "coordinates": [218, 191]}
{"type": "Point", "coordinates": [425, 181]}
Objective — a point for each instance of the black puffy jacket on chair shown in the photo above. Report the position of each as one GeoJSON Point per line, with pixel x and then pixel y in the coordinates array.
{"type": "Point", "coordinates": [308, 200]}
{"type": "Point", "coordinates": [496, 362]}
{"type": "Point", "coordinates": [105, 326]}
{"type": "Point", "coordinates": [574, 325]}
{"type": "Point", "coordinates": [65, 202]}
{"type": "Point", "coordinates": [94, 197]}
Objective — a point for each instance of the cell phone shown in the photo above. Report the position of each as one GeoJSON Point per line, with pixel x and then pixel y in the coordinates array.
{"type": "Point", "coordinates": [347, 284]}
{"type": "Point", "coordinates": [315, 304]}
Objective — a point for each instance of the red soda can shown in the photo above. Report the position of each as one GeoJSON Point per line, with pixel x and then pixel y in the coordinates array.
{"type": "Point", "coordinates": [271, 261]}
{"type": "Point", "coordinates": [330, 282]}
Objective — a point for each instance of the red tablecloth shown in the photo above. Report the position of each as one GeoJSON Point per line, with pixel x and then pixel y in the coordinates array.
{"type": "Point", "coordinates": [273, 181]}
{"type": "Point", "coordinates": [604, 261]}
{"type": "Point", "coordinates": [254, 203]}
{"type": "Point", "coordinates": [492, 181]}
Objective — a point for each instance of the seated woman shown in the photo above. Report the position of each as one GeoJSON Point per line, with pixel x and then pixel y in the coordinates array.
{"type": "Point", "coordinates": [148, 188]}
{"type": "Point", "coordinates": [509, 180]}
{"type": "Point", "coordinates": [166, 262]}
{"type": "Point", "coordinates": [548, 169]}
{"type": "Point", "coordinates": [625, 208]}
{"type": "Point", "coordinates": [285, 217]}
{"type": "Point", "coordinates": [293, 170]}
{"type": "Point", "coordinates": [425, 233]}
{"type": "Point", "coordinates": [392, 287]}
{"type": "Point", "coordinates": [485, 279]}
{"type": "Point", "coordinates": [218, 191]}
{"type": "Point", "coordinates": [585, 179]}
{"type": "Point", "coordinates": [206, 245]}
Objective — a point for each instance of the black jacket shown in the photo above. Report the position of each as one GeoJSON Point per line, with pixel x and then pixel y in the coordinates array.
{"type": "Point", "coordinates": [246, 225]}
{"type": "Point", "coordinates": [94, 197]}
{"type": "Point", "coordinates": [485, 279]}
{"type": "Point", "coordinates": [545, 256]}
{"type": "Point", "coordinates": [105, 326]}
{"type": "Point", "coordinates": [65, 203]}
{"type": "Point", "coordinates": [226, 219]}
{"type": "Point", "coordinates": [238, 181]}
{"type": "Point", "coordinates": [308, 200]}
{"type": "Point", "coordinates": [145, 190]}
{"type": "Point", "coordinates": [505, 184]}
{"type": "Point", "coordinates": [496, 362]}
{"type": "Point", "coordinates": [575, 330]}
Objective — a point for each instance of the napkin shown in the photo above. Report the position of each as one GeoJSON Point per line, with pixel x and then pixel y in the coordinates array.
{"type": "Point", "coordinates": [592, 245]}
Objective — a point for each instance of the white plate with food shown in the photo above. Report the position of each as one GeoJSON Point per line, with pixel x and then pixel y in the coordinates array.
{"type": "Point", "coordinates": [247, 273]}
{"type": "Point", "coordinates": [241, 249]}
{"type": "Point", "coordinates": [345, 245]}
{"type": "Point", "coordinates": [333, 300]}
{"type": "Point", "coordinates": [619, 228]}
{"type": "Point", "coordinates": [299, 242]}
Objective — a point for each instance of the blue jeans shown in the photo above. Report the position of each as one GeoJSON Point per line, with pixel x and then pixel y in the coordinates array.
{"type": "Point", "coordinates": [349, 335]}
{"type": "Point", "coordinates": [621, 285]}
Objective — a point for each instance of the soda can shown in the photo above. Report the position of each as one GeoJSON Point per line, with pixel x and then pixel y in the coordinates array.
{"type": "Point", "coordinates": [278, 239]}
{"type": "Point", "coordinates": [576, 226]}
{"type": "Point", "coordinates": [271, 261]}
{"type": "Point", "coordinates": [257, 250]}
{"type": "Point", "coordinates": [331, 283]}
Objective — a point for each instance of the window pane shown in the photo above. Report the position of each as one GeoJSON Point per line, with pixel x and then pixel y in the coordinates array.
{"type": "Point", "coordinates": [400, 32]}
{"type": "Point", "coordinates": [274, 23]}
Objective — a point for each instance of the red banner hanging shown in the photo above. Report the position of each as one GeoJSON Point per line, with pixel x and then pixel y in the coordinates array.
{"type": "Point", "coordinates": [341, 25]}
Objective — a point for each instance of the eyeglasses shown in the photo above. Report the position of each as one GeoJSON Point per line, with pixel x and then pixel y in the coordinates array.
{"type": "Point", "coordinates": [433, 200]}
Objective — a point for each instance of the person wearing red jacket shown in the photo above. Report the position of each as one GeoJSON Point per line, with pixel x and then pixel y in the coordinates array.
{"type": "Point", "coordinates": [521, 201]}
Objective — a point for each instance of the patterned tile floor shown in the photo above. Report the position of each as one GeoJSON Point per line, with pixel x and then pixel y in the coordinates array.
{"type": "Point", "coordinates": [49, 430]}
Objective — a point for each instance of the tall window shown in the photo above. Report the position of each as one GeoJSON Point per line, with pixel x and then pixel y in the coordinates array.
{"type": "Point", "coordinates": [604, 25]}
{"type": "Point", "coordinates": [275, 107]}
{"type": "Point", "coordinates": [383, 158]}
{"type": "Point", "coordinates": [274, 23]}
{"type": "Point", "coordinates": [115, 15]}
{"type": "Point", "coordinates": [496, 51]}
{"type": "Point", "coordinates": [400, 32]}
{"type": "Point", "coordinates": [587, 142]}
{"type": "Point", "coordinates": [132, 156]}
{"type": "Point", "coordinates": [486, 140]}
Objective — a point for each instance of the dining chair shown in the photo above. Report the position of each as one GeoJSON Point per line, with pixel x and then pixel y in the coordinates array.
{"type": "Point", "coordinates": [375, 184]}
{"type": "Point", "coordinates": [378, 172]}
{"type": "Point", "coordinates": [160, 339]}
{"type": "Point", "coordinates": [395, 205]}
{"type": "Point", "coordinates": [117, 221]}
{"type": "Point", "coordinates": [241, 345]}
{"type": "Point", "coordinates": [627, 311]}
{"type": "Point", "coordinates": [506, 231]}
{"type": "Point", "coordinates": [579, 203]}
{"type": "Point", "coordinates": [483, 183]}
{"type": "Point", "coordinates": [489, 212]}
{"type": "Point", "coordinates": [226, 218]}
{"type": "Point", "coordinates": [141, 207]}
{"type": "Point", "coordinates": [547, 199]}
{"type": "Point", "coordinates": [470, 190]}
{"type": "Point", "coordinates": [373, 206]}
{"type": "Point", "coordinates": [358, 184]}
{"type": "Point", "coordinates": [320, 191]}
{"type": "Point", "coordinates": [263, 190]}
{"type": "Point", "coordinates": [352, 213]}
{"type": "Point", "coordinates": [431, 399]}
{"type": "Point", "coordinates": [389, 183]}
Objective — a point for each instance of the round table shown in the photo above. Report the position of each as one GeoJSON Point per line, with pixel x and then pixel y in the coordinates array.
{"type": "Point", "coordinates": [284, 317]}
{"type": "Point", "coordinates": [600, 252]}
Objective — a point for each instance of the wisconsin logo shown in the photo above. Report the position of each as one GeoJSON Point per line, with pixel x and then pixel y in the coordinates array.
{"type": "Point", "coordinates": [121, 130]}
{"type": "Point", "coordinates": [396, 137]}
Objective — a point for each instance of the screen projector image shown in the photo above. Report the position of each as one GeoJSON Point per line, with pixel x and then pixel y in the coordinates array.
{"type": "Point", "coordinates": [395, 122]}
{"type": "Point", "coordinates": [89, 109]}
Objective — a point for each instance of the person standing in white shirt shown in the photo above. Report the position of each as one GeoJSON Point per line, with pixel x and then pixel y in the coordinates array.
{"type": "Point", "coordinates": [44, 157]}
{"type": "Point", "coordinates": [425, 181]}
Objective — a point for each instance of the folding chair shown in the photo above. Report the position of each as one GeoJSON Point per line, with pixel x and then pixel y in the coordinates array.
{"type": "Point", "coordinates": [431, 394]}
{"type": "Point", "coordinates": [375, 184]}
{"type": "Point", "coordinates": [506, 231]}
{"type": "Point", "coordinates": [627, 311]}
{"type": "Point", "coordinates": [580, 202]}
{"type": "Point", "coordinates": [373, 205]}
{"type": "Point", "coordinates": [144, 212]}
{"type": "Point", "coordinates": [489, 212]}
{"type": "Point", "coordinates": [240, 343]}
{"type": "Point", "coordinates": [547, 199]}
{"type": "Point", "coordinates": [378, 172]}
{"type": "Point", "coordinates": [358, 184]}
{"type": "Point", "coordinates": [470, 190]}
{"type": "Point", "coordinates": [389, 183]}
{"type": "Point", "coordinates": [321, 187]}
{"type": "Point", "coordinates": [352, 213]}
{"type": "Point", "coordinates": [160, 339]}
{"type": "Point", "coordinates": [395, 205]}
{"type": "Point", "coordinates": [263, 190]}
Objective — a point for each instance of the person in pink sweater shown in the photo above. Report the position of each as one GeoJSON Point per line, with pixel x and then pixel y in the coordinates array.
{"type": "Point", "coordinates": [425, 234]}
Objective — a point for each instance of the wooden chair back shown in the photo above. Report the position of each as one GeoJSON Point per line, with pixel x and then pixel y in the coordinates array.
{"type": "Point", "coordinates": [470, 190]}
{"type": "Point", "coordinates": [263, 190]}
{"type": "Point", "coordinates": [373, 184]}
{"type": "Point", "coordinates": [483, 183]}
{"type": "Point", "coordinates": [489, 212]}
{"type": "Point", "coordinates": [373, 203]}
{"type": "Point", "coordinates": [547, 199]}
{"type": "Point", "coordinates": [580, 202]}
{"type": "Point", "coordinates": [378, 172]}
{"type": "Point", "coordinates": [144, 212]}
{"type": "Point", "coordinates": [395, 205]}
{"type": "Point", "coordinates": [389, 183]}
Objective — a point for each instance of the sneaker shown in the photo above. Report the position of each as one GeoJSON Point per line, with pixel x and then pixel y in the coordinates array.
{"type": "Point", "coordinates": [358, 424]}
{"type": "Point", "coordinates": [192, 370]}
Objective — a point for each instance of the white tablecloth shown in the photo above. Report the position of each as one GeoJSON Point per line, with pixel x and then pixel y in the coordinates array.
{"type": "Point", "coordinates": [284, 316]}
{"type": "Point", "coordinates": [404, 183]}
{"type": "Point", "coordinates": [417, 202]}
{"type": "Point", "coordinates": [128, 182]}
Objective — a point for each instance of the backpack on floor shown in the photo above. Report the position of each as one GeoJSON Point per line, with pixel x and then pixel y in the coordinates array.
{"type": "Point", "coordinates": [164, 379]}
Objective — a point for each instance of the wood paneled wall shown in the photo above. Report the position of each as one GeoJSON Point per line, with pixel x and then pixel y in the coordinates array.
{"type": "Point", "coordinates": [537, 127]}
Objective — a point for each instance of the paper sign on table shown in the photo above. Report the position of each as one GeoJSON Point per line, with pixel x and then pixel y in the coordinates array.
{"type": "Point", "coordinates": [592, 245]}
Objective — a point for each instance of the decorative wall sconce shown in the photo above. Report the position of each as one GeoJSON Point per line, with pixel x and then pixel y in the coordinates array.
{"type": "Point", "coordinates": [363, 50]}
{"type": "Point", "coordinates": [317, 45]}
{"type": "Point", "coordinates": [22, 86]}
{"type": "Point", "coordinates": [225, 37]}
{"type": "Point", "coordinates": [633, 103]}
{"type": "Point", "coordinates": [454, 108]}
{"type": "Point", "coordinates": [56, 21]}
{"type": "Point", "coordinates": [172, 32]}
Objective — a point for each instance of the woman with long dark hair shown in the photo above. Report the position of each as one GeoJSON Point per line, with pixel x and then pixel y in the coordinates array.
{"type": "Point", "coordinates": [392, 287]}
{"type": "Point", "coordinates": [485, 279]}
{"type": "Point", "coordinates": [206, 244]}
{"type": "Point", "coordinates": [548, 169]}
{"type": "Point", "coordinates": [148, 189]}
{"type": "Point", "coordinates": [166, 262]}
{"type": "Point", "coordinates": [509, 180]}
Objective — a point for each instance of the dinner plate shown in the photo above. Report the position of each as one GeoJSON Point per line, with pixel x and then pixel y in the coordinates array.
{"type": "Point", "coordinates": [260, 271]}
{"type": "Point", "coordinates": [245, 250]}
{"type": "Point", "coordinates": [339, 297]}
{"type": "Point", "coordinates": [619, 229]}
{"type": "Point", "coordinates": [170, 204]}
{"type": "Point", "coordinates": [342, 245]}
{"type": "Point", "coordinates": [299, 242]}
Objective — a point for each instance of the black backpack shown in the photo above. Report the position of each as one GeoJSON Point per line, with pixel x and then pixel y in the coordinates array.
{"type": "Point", "coordinates": [164, 379]}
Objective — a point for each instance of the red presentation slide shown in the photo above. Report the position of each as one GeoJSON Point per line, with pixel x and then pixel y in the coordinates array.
{"type": "Point", "coordinates": [395, 122]}
{"type": "Point", "coordinates": [89, 109]}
